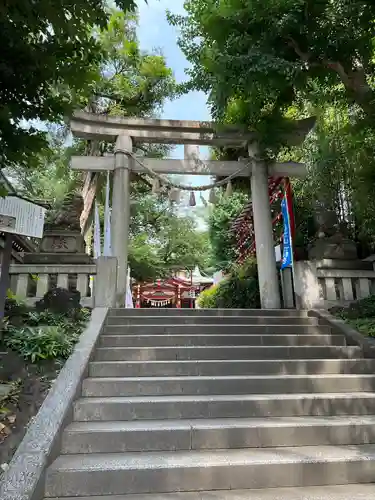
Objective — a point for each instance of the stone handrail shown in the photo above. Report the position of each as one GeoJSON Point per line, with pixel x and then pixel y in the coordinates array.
{"type": "Point", "coordinates": [317, 285]}
{"type": "Point", "coordinates": [30, 282]}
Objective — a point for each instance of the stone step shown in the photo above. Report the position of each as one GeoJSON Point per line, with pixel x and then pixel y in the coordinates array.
{"type": "Point", "coordinates": [223, 406]}
{"type": "Point", "coordinates": [159, 472]}
{"type": "Point", "coordinates": [220, 339]}
{"type": "Point", "coordinates": [224, 352]}
{"type": "Point", "coordinates": [346, 492]}
{"type": "Point", "coordinates": [229, 367]}
{"type": "Point", "coordinates": [236, 384]}
{"type": "Point", "coordinates": [270, 313]}
{"type": "Point", "coordinates": [119, 437]}
{"type": "Point", "coordinates": [184, 329]}
{"type": "Point", "coordinates": [204, 320]}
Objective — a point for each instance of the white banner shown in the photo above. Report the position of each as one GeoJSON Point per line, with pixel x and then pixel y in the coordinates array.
{"type": "Point", "coordinates": [107, 222]}
{"type": "Point", "coordinates": [129, 298]}
{"type": "Point", "coordinates": [97, 242]}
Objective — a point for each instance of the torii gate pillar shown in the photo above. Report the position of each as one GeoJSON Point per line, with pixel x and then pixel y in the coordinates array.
{"type": "Point", "coordinates": [120, 217]}
{"type": "Point", "coordinates": [265, 252]}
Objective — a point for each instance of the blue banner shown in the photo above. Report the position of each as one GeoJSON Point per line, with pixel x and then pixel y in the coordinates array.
{"type": "Point", "coordinates": [287, 259]}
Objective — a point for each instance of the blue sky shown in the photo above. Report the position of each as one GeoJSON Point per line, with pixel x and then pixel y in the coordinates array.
{"type": "Point", "coordinates": [154, 32]}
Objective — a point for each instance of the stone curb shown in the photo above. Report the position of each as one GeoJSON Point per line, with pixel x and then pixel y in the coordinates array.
{"type": "Point", "coordinates": [339, 326]}
{"type": "Point", "coordinates": [24, 479]}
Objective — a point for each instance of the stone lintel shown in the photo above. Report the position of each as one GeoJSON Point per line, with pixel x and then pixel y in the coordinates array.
{"type": "Point", "coordinates": [345, 273]}
{"type": "Point", "coordinates": [347, 264]}
{"type": "Point", "coordinates": [52, 269]}
{"type": "Point", "coordinates": [104, 127]}
{"type": "Point", "coordinates": [93, 126]}
{"type": "Point", "coordinates": [188, 167]}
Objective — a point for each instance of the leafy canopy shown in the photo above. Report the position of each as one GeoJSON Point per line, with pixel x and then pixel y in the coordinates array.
{"type": "Point", "coordinates": [49, 59]}
{"type": "Point", "coordinates": [132, 82]}
{"type": "Point", "coordinates": [128, 82]}
{"type": "Point", "coordinates": [257, 57]}
{"type": "Point", "coordinates": [220, 220]}
{"type": "Point", "coordinates": [162, 241]}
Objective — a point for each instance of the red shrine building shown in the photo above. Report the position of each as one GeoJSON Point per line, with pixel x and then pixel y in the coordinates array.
{"type": "Point", "coordinates": [179, 291]}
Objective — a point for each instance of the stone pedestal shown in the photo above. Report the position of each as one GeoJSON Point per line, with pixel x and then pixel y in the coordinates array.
{"type": "Point", "coordinates": [333, 248]}
{"type": "Point", "coordinates": [60, 241]}
{"type": "Point", "coordinates": [60, 247]}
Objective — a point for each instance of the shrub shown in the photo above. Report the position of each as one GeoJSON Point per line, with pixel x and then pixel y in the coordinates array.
{"type": "Point", "coordinates": [207, 299]}
{"type": "Point", "coordinates": [240, 290]}
{"type": "Point", "coordinates": [42, 342]}
{"type": "Point", "coordinates": [15, 310]}
{"type": "Point", "coordinates": [364, 325]}
{"type": "Point", "coordinates": [45, 335]}
{"type": "Point", "coordinates": [60, 301]}
{"type": "Point", "coordinates": [364, 308]}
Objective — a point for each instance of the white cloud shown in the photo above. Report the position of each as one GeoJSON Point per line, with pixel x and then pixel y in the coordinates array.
{"type": "Point", "coordinates": [160, 6]}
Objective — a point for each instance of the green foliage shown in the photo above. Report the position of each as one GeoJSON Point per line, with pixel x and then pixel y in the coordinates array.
{"type": "Point", "coordinates": [15, 310]}
{"type": "Point", "coordinates": [240, 290]}
{"type": "Point", "coordinates": [359, 314]}
{"type": "Point", "coordinates": [364, 325]}
{"type": "Point", "coordinates": [256, 58]}
{"type": "Point", "coordinates": [44, 335]}
{"type": "Point", "coordinates": [143, 259]}
{"type": "Point", "coordinates": [41, 343]}
{"type": "Point", "coordinates": [128, 82]}
{"type": "Point", "coordinates": [360, 309]}
{"type": "Point", "coordinates": [49, 59]}
{"type": "Point", "coordinates": [208, 299]}
{"type": "Point", "coordinates": [340, 160]}
{"type": "Point", "coordinates": [132, 82]}
{"type": "Point", "coordinates": [162, 240]}
{"type": "Point", "coordinates": [220, 220]}
{"type": "Point", "coordinates": [48, 175]}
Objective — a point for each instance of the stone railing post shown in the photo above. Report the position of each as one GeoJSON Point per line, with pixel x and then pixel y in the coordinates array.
{"type": "Point", "coordinates": [306, 286]}
{"type": "Point", "coordinates": [105, 282]}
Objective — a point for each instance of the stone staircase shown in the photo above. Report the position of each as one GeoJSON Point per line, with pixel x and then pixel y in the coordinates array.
{"type": "Point", "coordinates": [231, 404]}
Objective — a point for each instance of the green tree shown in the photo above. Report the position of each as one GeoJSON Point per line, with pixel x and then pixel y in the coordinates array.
{"type": "Point", "coordinates": [341, 175]}
{"type": "Point", "coordinates": [49, 59]}
{"type": "Point", "coordinates": [221, 217]}
{"type": "Point", "coordinates": [132, 82]}
{"type": "Point", "coordinates": [162, 240]}
{"type": "Point", "coordinates": [257, 57]}
{"type": "Point", "coordinates": [48, 176]}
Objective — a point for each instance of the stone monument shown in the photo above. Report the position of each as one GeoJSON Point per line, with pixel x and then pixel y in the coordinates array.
{"type": "Point", "coordinates": [62, 241]}
{"type": "Point", "coordinates": [332, 241]}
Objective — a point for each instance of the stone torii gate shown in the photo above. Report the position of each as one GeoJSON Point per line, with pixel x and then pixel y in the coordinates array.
{"type": "Point", "coordinates": [126, 132]}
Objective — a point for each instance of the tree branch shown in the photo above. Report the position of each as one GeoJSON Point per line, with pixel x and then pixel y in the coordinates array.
{"type": "Point", "coordinates": [304, 56]}
{"type": "Point", "coordinates": [353, 80]}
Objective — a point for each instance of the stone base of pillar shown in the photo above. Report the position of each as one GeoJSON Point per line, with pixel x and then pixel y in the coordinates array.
{"type": "Point", "coordinates": [105, 282]}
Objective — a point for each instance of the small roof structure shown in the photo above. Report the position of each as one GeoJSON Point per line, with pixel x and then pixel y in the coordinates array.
{"type": "Point", "coordinates": [197, 277]}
